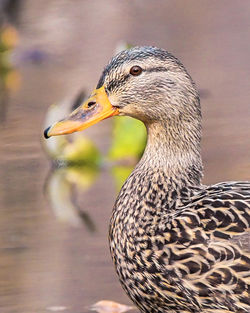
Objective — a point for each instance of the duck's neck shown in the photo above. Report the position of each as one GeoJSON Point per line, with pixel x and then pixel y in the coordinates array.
{"type": "Point", "coordinates": [173, 148]}
{"type": "Point", "coordinates": [168, 174]}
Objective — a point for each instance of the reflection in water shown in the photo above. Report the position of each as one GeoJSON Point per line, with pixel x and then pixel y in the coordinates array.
{"type": "Point", "coordinates": [56, 308]}
{"type": "Point", "coordinates": [60, 192]}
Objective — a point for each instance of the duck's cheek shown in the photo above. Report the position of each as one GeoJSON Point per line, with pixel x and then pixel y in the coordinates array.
{"type": "Point", "coordinates": [134, 111]}
{"type": "Point", "coordinates": [122, 103]}
{"type": "Point", "coordinates": [129, 110]}
{"type": "Point", "coordinates": [114, 100]}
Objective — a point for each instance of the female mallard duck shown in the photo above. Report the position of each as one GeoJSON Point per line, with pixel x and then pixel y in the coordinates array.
{"type": "Point", "coordinates": [177, 245]}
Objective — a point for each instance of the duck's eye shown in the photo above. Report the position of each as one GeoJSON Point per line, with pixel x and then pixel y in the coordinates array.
{"type": "Point", "coordinates": [135, 70]}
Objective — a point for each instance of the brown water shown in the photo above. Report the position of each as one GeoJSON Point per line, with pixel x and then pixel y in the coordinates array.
{"type": "Point", "coordinates": [46, 262]}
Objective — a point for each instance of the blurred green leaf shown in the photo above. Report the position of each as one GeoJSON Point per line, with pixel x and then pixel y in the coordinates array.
{"type": "Point", "coordinates": [82, 176]}
{"type": "Point", "coordinates": [81, 151]}
{"type": "Point", "coordinates": [9, 78]}
{"type": "Point", "coordinates": [120, 174]}
{"type": "Point", "coordinates": [128, 140]}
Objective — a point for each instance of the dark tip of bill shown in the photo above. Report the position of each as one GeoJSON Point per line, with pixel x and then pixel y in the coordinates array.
{"type": "Point", "coordinates": [46, 133]}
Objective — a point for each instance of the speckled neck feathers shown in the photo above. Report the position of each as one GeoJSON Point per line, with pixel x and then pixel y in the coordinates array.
{"type": "Point", "coordinates": [174, 151]}
{"type": "Point", "coordinates": [177, 246]}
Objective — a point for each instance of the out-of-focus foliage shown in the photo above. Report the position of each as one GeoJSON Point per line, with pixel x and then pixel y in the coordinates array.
{"type": "Point", "coordinates": [82, 151]}
{"type": "Point", "coordinates": [128, 139]}
{"type": "Point", "coordinates": [77, 151]}
{"type": "Point", "coordinates": [9, 77]}
{"type": "Point", "coordinates": [127, 145]}
{"type": "Point", "coordinates": [83, 176]}
{"type": "Point", "coordinates": [77, 161]}
{"type": "Point", "coordinates": [120, 174]}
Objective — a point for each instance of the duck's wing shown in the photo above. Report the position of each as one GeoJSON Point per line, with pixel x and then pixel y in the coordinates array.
{"type": "Point", "coordinates": [208, 247]}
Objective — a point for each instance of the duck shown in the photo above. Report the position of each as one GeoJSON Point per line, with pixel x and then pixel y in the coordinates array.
{"type": "Point", "coordinates": [177, 245]}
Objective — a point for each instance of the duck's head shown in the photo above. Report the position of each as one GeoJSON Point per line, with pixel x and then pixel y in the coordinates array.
{"type": "Point", "coordinates": [146, 83]}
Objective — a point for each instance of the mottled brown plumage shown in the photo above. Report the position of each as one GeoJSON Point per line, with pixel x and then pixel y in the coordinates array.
{"type": "Point", "coordinates": [177, 245]}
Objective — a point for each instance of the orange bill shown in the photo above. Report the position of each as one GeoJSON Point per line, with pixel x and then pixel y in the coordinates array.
{"type": "Point", "coordinates": [95, 109]}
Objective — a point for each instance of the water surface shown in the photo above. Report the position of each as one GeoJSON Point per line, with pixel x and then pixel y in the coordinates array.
{"type": "Point", "coordinates": [49, 262]}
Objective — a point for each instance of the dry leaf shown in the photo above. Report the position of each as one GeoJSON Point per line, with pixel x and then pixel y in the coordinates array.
{"type": "Point", "coordinates": [106, 306]}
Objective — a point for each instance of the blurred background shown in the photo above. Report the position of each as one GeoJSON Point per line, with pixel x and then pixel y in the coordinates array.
{"type": "Point", "coordinates": [56, 196]}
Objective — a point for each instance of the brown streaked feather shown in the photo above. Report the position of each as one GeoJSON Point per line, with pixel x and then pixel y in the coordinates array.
{"type": "Point", "coordinates": [198, 261]}
{"type": "Point", "coordinates": [177, 245]}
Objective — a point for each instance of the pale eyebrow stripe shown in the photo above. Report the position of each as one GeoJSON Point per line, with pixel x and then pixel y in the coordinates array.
{"type": "Point", "coordinates": [156, 69]}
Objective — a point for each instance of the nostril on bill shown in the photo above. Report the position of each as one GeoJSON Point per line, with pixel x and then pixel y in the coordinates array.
{"type": "Point", "coordinates": [91, 104]}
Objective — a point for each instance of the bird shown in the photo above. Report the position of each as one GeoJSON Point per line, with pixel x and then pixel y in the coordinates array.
{"type": "Point", "coordinates": [177, 245]}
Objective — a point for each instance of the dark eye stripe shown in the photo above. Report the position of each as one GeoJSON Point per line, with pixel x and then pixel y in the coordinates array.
{"type": "Point", "coordinates": [115, 83]}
